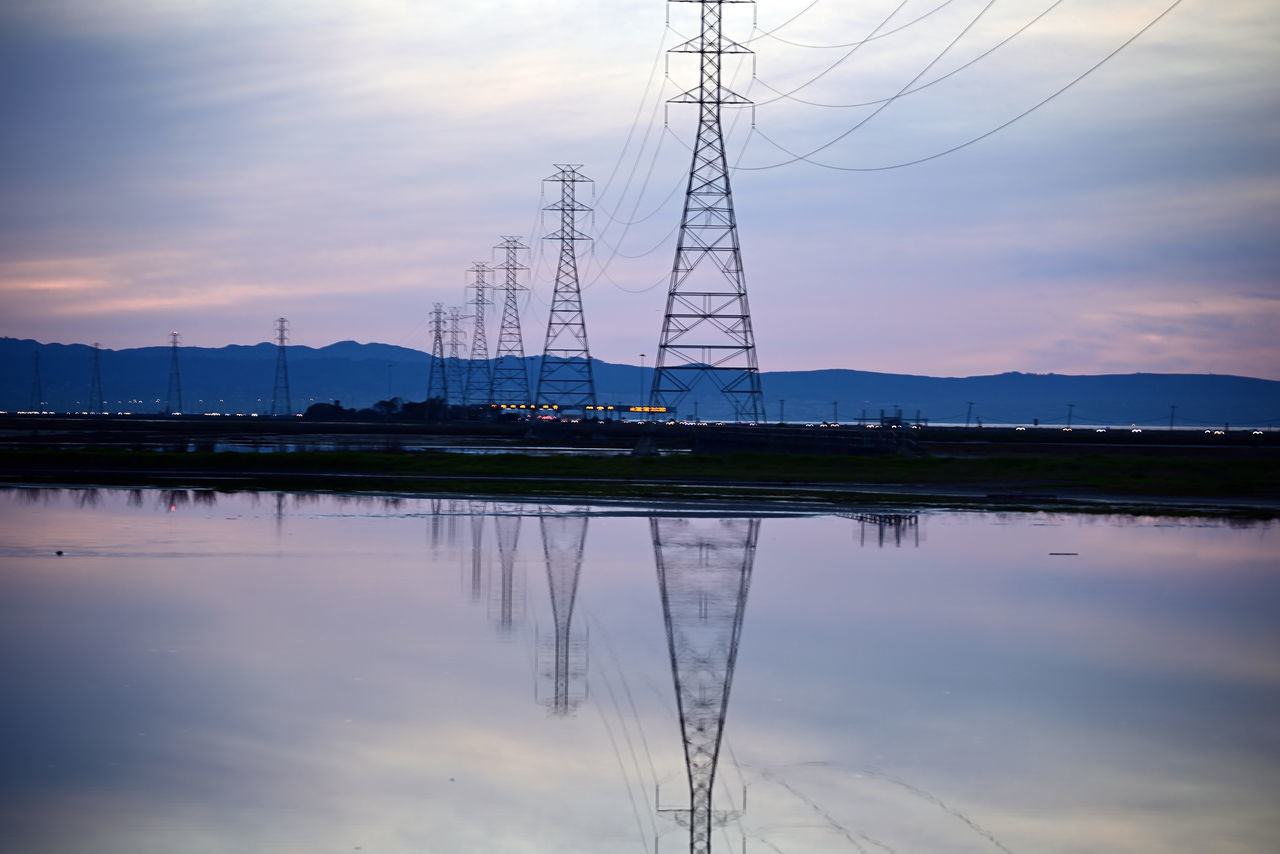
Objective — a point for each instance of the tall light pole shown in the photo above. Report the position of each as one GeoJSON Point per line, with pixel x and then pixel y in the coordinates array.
{"type": "Point", "coordinates": [642, 400]}
{"type": "Point", "coordinates": [1070, 406]}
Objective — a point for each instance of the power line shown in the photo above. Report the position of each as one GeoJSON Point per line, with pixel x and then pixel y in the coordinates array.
{"type": "Point", "coordinates": [795, 158]}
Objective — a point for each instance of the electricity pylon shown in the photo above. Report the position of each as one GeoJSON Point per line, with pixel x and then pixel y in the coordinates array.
{"type": "Point", "coordinates": [706, 332]}
{"type": "Point", "coordinates": [281, 404]}
{"type": "Point", "coordinates": [37, 386]}
{"type": "Point", "coordinates": [455, 376]}
{"type": "Point", "coordinates": [173, 398]}
{"type": "Point", "coordinates": [565, 378]}
{"type": "Point", "coordinates": [510, 379]}
{"type": "Point", "coordinates": [704, 573]}
{"type": "Point", "coordinates": [479, 387]}
{"type": "Point", "coordinates": [563, 539]}
{"type": "Point", "coordinates": [437, 381]}
{"type": "Point", "coordinates": [95, 385]}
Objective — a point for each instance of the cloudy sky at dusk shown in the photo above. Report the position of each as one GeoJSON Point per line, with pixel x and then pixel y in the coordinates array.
{"type": "Point", "coordinates": [209, 165]}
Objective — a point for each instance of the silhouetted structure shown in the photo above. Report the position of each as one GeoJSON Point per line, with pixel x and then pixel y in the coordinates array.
{"type": "Point", "coordinates": [97, 403]}
{"type": "Point", "coordinates": [437, 379]}
{"type": "Point", "coordinates": [281, 404]}
{"type": "Point", "coordinates": [173, 397]}
{"type": "Point", "coordinates": [565, 377]}
{"type": "Point", "coordinates": [37, 386]}
{"type": "Point", "coordinates": [706, 332]}
{"type": "Point", "coordinates": [510, 379]}
{"type": "Point", "coordinates": [479, 388]}
{"type": "Point", "coordinates": [456, 378]}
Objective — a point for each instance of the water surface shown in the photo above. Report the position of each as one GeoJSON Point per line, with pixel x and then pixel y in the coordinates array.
{"type": "Point", "coordinates": [210, 672]}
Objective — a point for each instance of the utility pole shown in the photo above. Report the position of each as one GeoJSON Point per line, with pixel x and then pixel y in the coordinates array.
{"type": "Point", "coordinates": [281, 404]}
{"type": "Point", "coordinates": [706, 331]}
{"type": "Point", "coordinates": [457, 337]}
{"type": "Point", "coordinates": [479, 387]}
{"type": "Point", "coordinates": [37, 387]}
{"type": "Point", "coordinates": [95, 385]}
{"type": "Point", "coordinates": [510, 379]}
{"type": "Point", "coordinates": [173, 398]}
{"type": "Point", "coordinates": [967, 415]}
{"type": "Point", "coordinates": [437, 381]}
{"type": "Point", "coordinates": [565, 378]}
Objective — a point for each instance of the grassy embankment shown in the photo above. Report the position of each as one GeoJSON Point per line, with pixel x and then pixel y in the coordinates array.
{"type": "Point", "coordinates": [834, 478]}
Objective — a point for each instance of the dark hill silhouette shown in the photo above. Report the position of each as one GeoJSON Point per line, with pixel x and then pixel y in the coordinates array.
{"type": "Point", "coordinates": [240, 378]}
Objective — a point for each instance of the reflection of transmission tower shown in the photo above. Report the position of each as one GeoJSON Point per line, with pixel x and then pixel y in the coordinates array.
{"type": "Point", "coordinates": [479, 388]}
{"type": "Point", "coordinates": [280, 401]}
{"type": "Point", "coordinates": [563, 538]}
{"type": "Point", "coordinates": [510, 379]}
{"type": "Point", "coordinates": [173, 398]}
{"type": "Point", "coordinates": [455, 378]}
{"type": "Point", "coordinates": [895, 525]}
{"type": "Point", "coordinates": [96, 402]}
{"type": "Point", "coordinates": [704, 572]}
{"type": "Point", "coordinates": [437, 381]}
{"type": "Point", "coordinates": [707, 328]}
{"type": "Point", "coordinates": [565, 377]}
{"type": "Point", "coordinates": [506, 599]}
{"type": "Point", "coordinates": [477, 549]}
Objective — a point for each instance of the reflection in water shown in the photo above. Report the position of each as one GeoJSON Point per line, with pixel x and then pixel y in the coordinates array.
{"type": "Point", "coordinates": [704, 572]}
{"type": "Point", "coordinates": [970, 693]}
{"type": "Point", "coordinates": [564, 535]}
{"type": "Point", "coordinates": [895, 527]}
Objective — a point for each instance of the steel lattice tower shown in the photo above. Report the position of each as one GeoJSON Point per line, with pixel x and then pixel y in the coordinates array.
{"type": "Point", "coordinates": [456, 377]}
{"type": "Point", "coordinates": [437, 380]}
{"type": "Point", "coordinates": [37, 387]}
{"type": "Point", "coordinates": [175, 379]}
{"type": "Point", "coordinates": [707, 328]}
{"type": "Point", "coordinates": [510, 379]}
{"type": "Point", "coordinates": [280, 401]}
{"type": "Point", "coordinates": [506, 600]}
{"type": "Point", "coordinates": [563, 539]}
{"type": "Point", "coordinates": [479, 387]}
{"type": "Point", "coordinates": [95, 385]}
{"type": "Point", "coordinates": [704, 573]}
{"type": "Point", "coordinates": [565, 377]}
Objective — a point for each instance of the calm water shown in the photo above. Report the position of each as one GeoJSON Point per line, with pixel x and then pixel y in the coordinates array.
{"type": "Point", "coordinates": [202, 672]}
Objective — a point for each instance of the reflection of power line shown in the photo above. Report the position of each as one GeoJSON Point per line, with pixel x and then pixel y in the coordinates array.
{"type": "Point", "coordinates": [704, 572]}
{"type": "Point", "coordinates": [563, 540]}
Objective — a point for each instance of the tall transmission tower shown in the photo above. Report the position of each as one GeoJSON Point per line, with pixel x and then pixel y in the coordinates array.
{"type": "Point", "coordinates": [280, 402]}
{"type": "Point", "coordinates": [563, 538]}
{"type": "Point", "coordinates": [437, 376]}
{"type": "Point", "coordinates": [706, 332]}
{"type": "Point", "coordinates": [506, 599]}
{"type": "Point", "coordinates": [37, 387]}
{"type": "Point", "coordinates": [456, 378]}
{"type": "Point", "coordinates": [479, 387]}
{"type": "Point", "coordinates": [95, 385]}
{"type": "Point", "coordinates": [510, 379]}
{"type": "Point", "coordinates": [565, 378]}
{"type": "Point", "coordinates": [173, 397]}
{"type": "Point", "coordinates": [704, 573]}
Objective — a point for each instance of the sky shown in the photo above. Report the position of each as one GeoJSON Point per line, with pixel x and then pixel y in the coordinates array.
{"type": "Point", "coordinates": [206, 166]}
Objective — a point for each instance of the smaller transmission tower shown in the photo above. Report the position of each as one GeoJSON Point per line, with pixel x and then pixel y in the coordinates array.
{"type": "Point", "coordinates": [563, 537]}
{"type": "Point", "coordinates": [280, 402]}
{"type": "Point", "coordinates": [565, 377]}
{"type": "Point", "coordinates": [456, 378]}
{"type": "Point", "coordinates": [510, 379]}
{"type": "Point", "coordinates": [479, 388]}
{"type": "Point", "coordinates": [96, 403]}
{"type": "Point", "coordinates": [437, 380]}
{"type": "Point", "coordinates": [37, 387]}
{"type": "Point", "coordinates": [173, 398]}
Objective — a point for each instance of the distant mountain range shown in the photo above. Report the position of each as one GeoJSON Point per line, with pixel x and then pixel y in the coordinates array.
{"type": "Point", "coordinates": [242, 379]}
